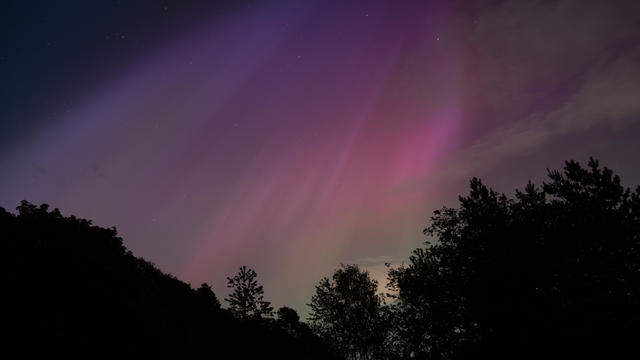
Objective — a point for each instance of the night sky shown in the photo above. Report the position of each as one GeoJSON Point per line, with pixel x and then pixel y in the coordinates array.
{"type": "Point", "coordinates": [294, 136]}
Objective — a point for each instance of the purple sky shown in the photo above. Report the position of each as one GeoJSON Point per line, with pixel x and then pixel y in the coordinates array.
{"type": "Point", "coordinates": [292, 137]}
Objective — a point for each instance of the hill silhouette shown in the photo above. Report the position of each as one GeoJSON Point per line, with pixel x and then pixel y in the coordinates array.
{"type": "Point", "coordinates": [73, 286]}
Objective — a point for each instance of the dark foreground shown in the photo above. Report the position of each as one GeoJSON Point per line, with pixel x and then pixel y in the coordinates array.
{"type": "Point", "coordinates": [553, 272]}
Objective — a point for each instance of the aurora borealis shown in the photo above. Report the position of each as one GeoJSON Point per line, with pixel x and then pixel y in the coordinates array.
{"type": "Point", "coordinates": [294, 136]}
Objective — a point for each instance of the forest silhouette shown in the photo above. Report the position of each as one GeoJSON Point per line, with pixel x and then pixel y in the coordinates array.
{"type": "Point", "coordinates": [553, 271]}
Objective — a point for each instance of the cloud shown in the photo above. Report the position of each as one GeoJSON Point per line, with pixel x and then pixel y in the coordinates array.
{"type": "Point", "coordinates": [610, 97]}
{"type": "Point", "coordinates": [521, 56]}
{"type": "Point", "coordinates": [538, 72]}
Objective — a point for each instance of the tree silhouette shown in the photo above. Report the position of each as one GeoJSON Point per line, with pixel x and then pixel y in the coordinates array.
{"type": "Point", "coordinates": [247, 298]}
{"type": "Point", "coordinates": [345, 312]}
{"type": "Point", "coordinates": [207, 297]}
{"type": "Point", "coordinates": [555, 270]}
{"type": "Point", "coordinates": [72, 287]}
{"type": "Point", "coordinates": [288, 317]}
{"type": "Point", "coordinates": [289, 321]}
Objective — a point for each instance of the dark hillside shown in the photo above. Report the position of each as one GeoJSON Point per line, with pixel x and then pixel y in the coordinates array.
{"type": "Point", "coordinates": [71, 285]}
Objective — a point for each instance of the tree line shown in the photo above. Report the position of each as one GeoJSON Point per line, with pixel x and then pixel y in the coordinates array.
{"type": "Point", "coordinates": [553, 271]}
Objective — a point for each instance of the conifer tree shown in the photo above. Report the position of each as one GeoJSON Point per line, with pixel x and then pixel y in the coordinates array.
{"type": "Point", "coordinates": [247, 297]}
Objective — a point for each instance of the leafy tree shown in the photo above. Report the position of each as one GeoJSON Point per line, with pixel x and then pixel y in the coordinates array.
{"type": "Point", "coordinates": [555, 270]}
{"type": "Point", "coordinates": [288, 315]}
{"type": "Point", "coordinates": [207, 297]}
{"type": "Point", "coordinates": [345, 312]}
{"type": "Point", "coordinates": [247, 298]}
{"type": "Point", "coordinates": [289, 321]}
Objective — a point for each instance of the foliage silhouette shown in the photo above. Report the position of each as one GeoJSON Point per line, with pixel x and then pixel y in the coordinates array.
{"type": "Point", "coordinates": [288, 315]}
{"type": "Point", "coordinates": [71, 287]}
{"type": "Point", "coordinates": [247, 297]}
{"type": "Point", "coordinates": [207, 298]}
{"type": "Point", "coordinates": [345, 312]}
{"type": "Point", "coordinates": [289, 321]}
{"type": "Point", "coordinates": [553, 271]}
